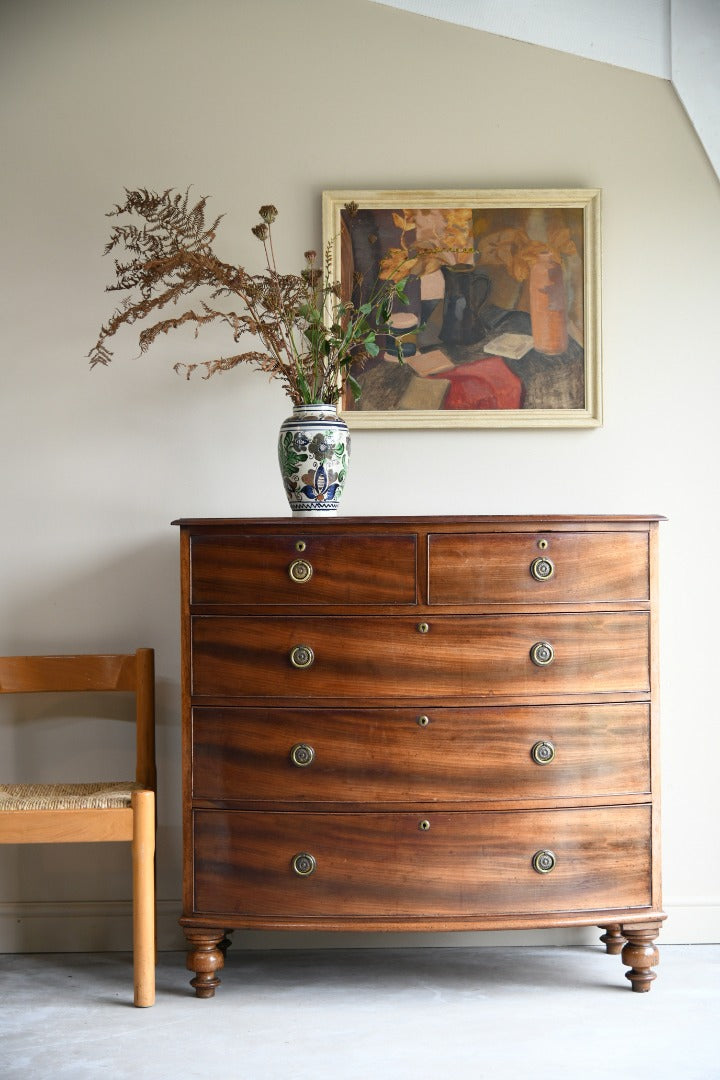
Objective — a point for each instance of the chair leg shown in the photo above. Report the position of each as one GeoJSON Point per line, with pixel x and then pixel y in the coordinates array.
{"type": "Point", "coordinates": [143, 860]}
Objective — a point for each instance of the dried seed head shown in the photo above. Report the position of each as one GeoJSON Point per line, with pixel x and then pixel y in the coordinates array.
{"type": "Point", "coordinates": [352, 208]}
{"type": "Point", "coordinates": [268, 213]}
{"type": "Point", "coordinates": [261, 231]}
{"type": "Point", "coordinates": [310, 256]}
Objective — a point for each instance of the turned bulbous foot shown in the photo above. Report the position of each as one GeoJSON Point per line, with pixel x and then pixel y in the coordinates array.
{"type": "Point", "coordinates": [613, 939]}
{"type": "Point", "coordinates": [205, 957]}
{"type": "Point", "coordinates": [641, 956]}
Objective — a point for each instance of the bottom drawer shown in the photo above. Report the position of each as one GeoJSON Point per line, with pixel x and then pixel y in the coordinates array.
{"type": "Point", "coordinates": [415, 864]}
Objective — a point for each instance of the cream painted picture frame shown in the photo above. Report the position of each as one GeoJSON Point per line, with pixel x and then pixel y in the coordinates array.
{"type": "Point", "coordinates": [502, 322]}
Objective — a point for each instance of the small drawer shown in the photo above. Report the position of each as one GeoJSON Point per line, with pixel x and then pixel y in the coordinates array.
{"type": "Point", "coordinates": [537, 567]}
{"type": "Point", "coordinates": [303, 569]}
{"type": "Point", "coordinates": [276, 756]}
{"type": "Point", "coordinates": [408, 864]}
{"type": "Point", "coordinates": [366, 657]}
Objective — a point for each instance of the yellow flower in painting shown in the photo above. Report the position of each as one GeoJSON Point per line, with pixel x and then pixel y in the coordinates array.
{"type": "Point", "coordinates": [443, 237]}
{"type": "Point", "coordinates": [405, 220]}
{"type": "Point", "coordinates": [447, 237]}
{"type": "Point", "coordinates": [396, 264]}
{"type": "Point", "coordinates": [461, 218]}
{"type": "Point", "coordinates": [561, 242]}
{"type": "Point", "coordinates": [513, 249]}
{"type": "Point", "coordinates": [506, 248]}
{"type": "Point", "coordinates": [429, 261]}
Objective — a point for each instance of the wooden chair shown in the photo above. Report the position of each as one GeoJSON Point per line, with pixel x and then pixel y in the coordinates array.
{"type": "Point", "coordinates": [123, 810]}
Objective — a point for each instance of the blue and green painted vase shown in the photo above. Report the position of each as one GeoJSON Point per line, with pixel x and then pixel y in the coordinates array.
{"type": "Point", "coordinates": [313, 451]}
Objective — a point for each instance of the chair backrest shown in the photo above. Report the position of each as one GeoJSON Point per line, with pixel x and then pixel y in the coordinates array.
{"type": "Point", "coordinates": [134, 672]}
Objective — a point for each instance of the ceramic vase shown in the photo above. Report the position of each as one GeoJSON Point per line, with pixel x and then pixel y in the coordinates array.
{"type": "Point", "coordinates": [313, 452]}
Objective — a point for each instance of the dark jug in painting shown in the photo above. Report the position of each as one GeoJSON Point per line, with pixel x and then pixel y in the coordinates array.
{"type": "Point", "coordinates": [466, 290]}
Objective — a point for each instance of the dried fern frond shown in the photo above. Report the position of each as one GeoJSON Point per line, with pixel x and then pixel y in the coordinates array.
{"type": "Point", "coordinates": [310, 336]}
{"type": "Point", "coordinates": [227, 363]}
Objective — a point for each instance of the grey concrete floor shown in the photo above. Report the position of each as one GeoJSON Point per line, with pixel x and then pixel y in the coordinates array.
{"type": "Point", "coordinates": [365, 1014]}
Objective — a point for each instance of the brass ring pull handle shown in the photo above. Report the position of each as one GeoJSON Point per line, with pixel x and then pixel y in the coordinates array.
{"type": "Point", "coordinates": [302, 755]}
{"type": "Point", "coordinates": [303, 864]}
{"type": "Point", "coordinates": [543, 752]}
{"type": "Point", "coordinates": [300, 571]}
{"type": "Point", "coordinates": [544, 861]}
{"type": "Point", "coordinates": [542, 569]}
{"type": "Point", "coordinates": [302, 657]}
{"type": "Point", "coordinates": [542, 653]}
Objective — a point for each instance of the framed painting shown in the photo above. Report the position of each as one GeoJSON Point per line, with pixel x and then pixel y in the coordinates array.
{"type": "Point", "coordinates": [501, 324]}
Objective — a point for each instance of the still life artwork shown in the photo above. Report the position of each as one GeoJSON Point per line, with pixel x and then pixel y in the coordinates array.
{"type": "Point", "coordinates": [500, 326]}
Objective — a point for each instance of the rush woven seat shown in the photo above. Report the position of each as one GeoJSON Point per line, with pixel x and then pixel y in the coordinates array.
{"type": "Point", "coordinates": [114, 795]}
{"type": "Point", "coordinates": [116, 810]}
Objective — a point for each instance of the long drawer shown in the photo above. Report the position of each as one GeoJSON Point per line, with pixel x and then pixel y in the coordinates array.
{"type": "Point", "coordinates": [404, 755]}
{"type": "Point", "coordinates": [537, 567]}
{"type": "Point", "coordinates": [420, 864]}
{"type": "Point", "coordinates": [375, 657]}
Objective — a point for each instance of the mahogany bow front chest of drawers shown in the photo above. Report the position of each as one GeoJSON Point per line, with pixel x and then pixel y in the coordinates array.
{"type": "Point", "coordinates": [420, 724]}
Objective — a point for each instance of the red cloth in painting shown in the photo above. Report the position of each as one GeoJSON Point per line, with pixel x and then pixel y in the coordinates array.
{"type": "Point", "coordinates": [484, 384]}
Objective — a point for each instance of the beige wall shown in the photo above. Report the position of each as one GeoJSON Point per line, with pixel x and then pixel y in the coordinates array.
{"type": "Point", "coordinates": [273, 101]}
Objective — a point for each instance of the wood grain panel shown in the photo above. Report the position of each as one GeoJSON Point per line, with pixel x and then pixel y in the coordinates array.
{"type": "Point", "coordinates": [384, 755]}
{"type": "Point", "coordinates": [494, 568]}
{"type": "Point", "coordinates": [346, 569]}
{"type": "Point", "coordinates": [386, 865]}
{"type": "Point", "coordinates": [375, 657]}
